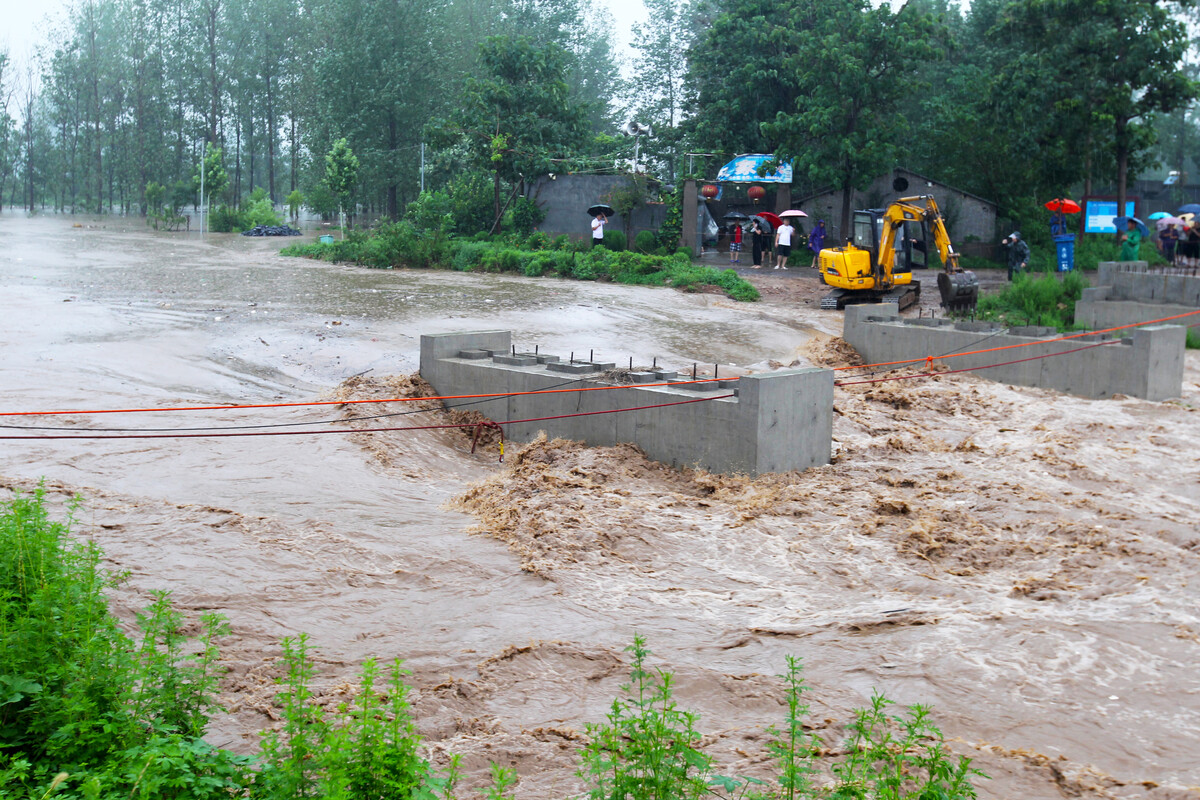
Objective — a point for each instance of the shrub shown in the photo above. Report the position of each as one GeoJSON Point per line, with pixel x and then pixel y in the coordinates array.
{"type": "Point", "coordinates": [1193, 339]}
{"type": "Point", "coordinates": [224, 219]}
{"type": "Point", "coordinates": [537, 241]}
{"type": "Point", "coordinates": [616, 241]}
{"type": "Point", "coordinates": [525, 215]}
{"type": "Point", "coordinates": [645, 242]}
{"type": "Point", "coordinates": [432, 211]}
{"type": "Point", "coordinates": [468, 255]}
{"type": "Point", "coordinates": [259, 210]}
{"type": "Point", "coordinates": [561, 242]}
{"type": "Point", "coordinates": [1030, 300]}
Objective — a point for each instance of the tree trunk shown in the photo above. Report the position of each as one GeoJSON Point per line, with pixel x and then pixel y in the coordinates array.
{"type": "Point", "coordinates": [270, 140]}
{"type": "Point", "coordinates": [846, 230]}
{"type": "Point", "coordinates": [1122, 164]}
{"type": "Point", "coordinates": [496, 200]}
{"type": "Point", "coordinates": [393, 202]}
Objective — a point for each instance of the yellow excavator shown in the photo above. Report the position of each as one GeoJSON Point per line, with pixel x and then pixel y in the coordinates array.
{"type": "Point", "coordinates": [867, 269]}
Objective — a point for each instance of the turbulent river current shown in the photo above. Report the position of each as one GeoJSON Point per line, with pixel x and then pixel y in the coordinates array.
{"type": "Point", "coordinates": [1026, 562]}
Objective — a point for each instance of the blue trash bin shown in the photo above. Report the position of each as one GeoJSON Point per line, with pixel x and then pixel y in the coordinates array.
{"type": "Point", "coordinates": [1065, 245]}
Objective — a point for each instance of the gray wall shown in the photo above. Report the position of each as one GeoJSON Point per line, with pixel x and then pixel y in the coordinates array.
{"type": "Point", "coordinates": [966, 215]}
{"type": "Point", "coordinates": [565, 199]}
{"type": "Point", "coordinates": [1148, 365]}
{"type": "Point", "coordinates": [778, 421]}
{"type": "Point", "coordinates": [1128, 294]}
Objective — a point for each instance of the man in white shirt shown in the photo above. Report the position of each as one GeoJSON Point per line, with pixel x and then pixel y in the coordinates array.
{"type": "Point", "coordinates": [783, 244]}
{"type": "Point", "coordinates": [598, 230]}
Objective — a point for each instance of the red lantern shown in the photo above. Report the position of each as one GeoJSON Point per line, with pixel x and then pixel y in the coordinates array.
{"type": "Point", "coordinates": [709, 191]}
{"type": "Point", "coordinates": [756, 193]}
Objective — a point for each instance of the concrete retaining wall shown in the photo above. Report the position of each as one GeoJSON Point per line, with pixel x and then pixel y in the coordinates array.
{"type": "Point", "coordinates": [1128, 293]}
{"type": "Point", "coordinates": [778, 421]}
{"type": "Point", "coordinates": [1147, 364]}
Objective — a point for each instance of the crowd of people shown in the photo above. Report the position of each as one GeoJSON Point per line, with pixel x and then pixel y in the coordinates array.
{"type": "Point", "coordinates": [1180, 244]}
{"type": "Point", "coordinates": [774, 244]}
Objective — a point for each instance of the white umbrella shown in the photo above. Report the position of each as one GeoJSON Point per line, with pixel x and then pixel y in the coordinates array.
{"type": "Point", "coordinates": [1165, 221]}
{"type": "Point", "coordinates": [793, 212]}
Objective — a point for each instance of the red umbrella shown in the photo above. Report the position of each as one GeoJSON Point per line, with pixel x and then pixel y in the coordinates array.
{"type": "Point", "coordinates": [1064, 205]}
{"type": "Point", "coordinates": [771, 218]}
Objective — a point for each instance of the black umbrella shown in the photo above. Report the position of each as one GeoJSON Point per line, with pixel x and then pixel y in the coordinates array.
{"type": "Point", "coordinates": [601, 208]}
{"type": "Point", "coordinates": [736, 215]}
{"type": "Point", "coordinates": [765, 223]}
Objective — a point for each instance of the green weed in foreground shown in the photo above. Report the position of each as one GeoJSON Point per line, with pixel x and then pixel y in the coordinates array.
{"type": "Point", "coordinates": [1193, 339]}
{"type": "Point", "coordinates": [1035, 300]}
{"type": "Point", "coordinates": [402, 244]}
{"type": "Point", "coordinates": [88, 714]}
{"type": "Point", "coordinates": [648, 749]}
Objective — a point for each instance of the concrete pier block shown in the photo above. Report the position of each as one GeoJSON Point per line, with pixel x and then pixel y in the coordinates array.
{"type": "Point", "coordinates": [773, 422]}
{"type": "Point", "coordinates": [576, 368]}
{"type": "Point", "coordinates": [515, 361]}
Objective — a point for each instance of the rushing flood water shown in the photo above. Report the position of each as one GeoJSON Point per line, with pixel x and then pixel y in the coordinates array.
{"type": "Point", "coordinates": [1025, 562]}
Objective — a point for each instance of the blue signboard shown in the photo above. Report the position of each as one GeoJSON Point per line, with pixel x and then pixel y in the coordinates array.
{"type": "Point", "coordinates": [1098, 215]}
{"type": "Point", "coordinates": [744, 169]}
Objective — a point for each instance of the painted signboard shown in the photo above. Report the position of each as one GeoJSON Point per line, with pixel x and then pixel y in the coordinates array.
{"type": "Point", "coordinates": [1098, 215]}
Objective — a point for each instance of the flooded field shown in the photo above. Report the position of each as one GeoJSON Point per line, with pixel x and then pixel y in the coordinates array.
{"type": "Point", "coordinates": [1025, 562]}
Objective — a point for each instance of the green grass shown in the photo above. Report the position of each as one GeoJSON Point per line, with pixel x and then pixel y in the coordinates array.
{"type": "Point", "coordinates": [402, 245]}
{"type": "Point", "coordinates": [1033, 299]}
{"type": "Point", "coordinates": [88, 713]}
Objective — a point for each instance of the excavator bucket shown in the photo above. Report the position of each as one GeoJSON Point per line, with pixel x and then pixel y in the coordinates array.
{"type": "Point", "coordinates": [959, 290]}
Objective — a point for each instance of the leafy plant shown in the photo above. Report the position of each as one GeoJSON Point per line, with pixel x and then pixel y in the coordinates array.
{"type": "Point", "coordinates": [294, 201]}
{"type": "Point", "coordinates": [525, 214]}
{"type": "Point", "coordinates": [648, 747]}
{"type": "Point", "coordinates": [1041, 300]}
{"type": "Point", "coordinates": [900, 757]}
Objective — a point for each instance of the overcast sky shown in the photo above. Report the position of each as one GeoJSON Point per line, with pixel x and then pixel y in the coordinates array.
{"type": "Point", "coordinates": [22, 22]}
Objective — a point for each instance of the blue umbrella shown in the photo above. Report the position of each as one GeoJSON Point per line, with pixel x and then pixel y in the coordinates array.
{"type": "Point", "coordinates": [1190, 208]}
{"type": "Point", "coordinates": [1157, 215]}
{"type": "Point", "coordinates": [1123, 222]}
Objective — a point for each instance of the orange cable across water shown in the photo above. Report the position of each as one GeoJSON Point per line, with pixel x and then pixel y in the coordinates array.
{"type": "Point", "coordinates": [234, 407]}
{"type": "Point", "coordinates": [362, 430]}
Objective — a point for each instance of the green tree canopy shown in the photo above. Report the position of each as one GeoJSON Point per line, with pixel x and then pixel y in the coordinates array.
{"type": "Point", "coordinates": [851, 65]}
{"type": "Point", "coordinates": [518, 116]}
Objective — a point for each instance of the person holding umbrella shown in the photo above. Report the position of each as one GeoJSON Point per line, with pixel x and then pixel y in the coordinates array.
{"type": "Point", "coordinates": [756, 241]}
{"type": "Point", "coordinates": [1131, 241]}
{"type": "Point", "coordinates": [598, 223]}
{"type": "Point", "coordinates": [735, 244]}
{"type": "Point", "coordinates": [600, 214]}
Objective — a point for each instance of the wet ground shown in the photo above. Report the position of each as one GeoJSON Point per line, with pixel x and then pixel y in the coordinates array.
{"type": "Point", "coordinates": [1027, 563]}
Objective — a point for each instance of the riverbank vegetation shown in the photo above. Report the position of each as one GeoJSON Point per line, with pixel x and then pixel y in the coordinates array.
{"type": "Point", "coordinates": [90, 712]}
{"type": "Point", "coordinates": [1035, 299]}
{"type": "Point", "coordinates": [403, 245]}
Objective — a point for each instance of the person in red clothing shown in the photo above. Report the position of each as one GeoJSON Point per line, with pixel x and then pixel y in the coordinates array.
{"type": "Point", "coordinates": [735, 246]}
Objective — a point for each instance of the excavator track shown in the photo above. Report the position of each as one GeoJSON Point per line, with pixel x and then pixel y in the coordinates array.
{"type": "Point", "coordinates": [902, 297]}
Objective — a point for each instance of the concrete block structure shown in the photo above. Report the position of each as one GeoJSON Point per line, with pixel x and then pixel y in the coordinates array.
{"type": "Point", "coordinates": [775, 422]}
{"type": "Point", "coordinates": [565, 199]}
{"type": "Point", "coordinates": [1127, 292]}
{"type": "Point", "coordinates": [1147, 364]}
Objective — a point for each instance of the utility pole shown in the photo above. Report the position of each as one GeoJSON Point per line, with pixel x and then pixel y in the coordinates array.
{"type": "Point", "coordinates": [422, 168]}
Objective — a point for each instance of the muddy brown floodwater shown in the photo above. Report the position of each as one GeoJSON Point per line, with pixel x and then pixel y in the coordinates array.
{"type": "Point", "coordinates": [1025, 562]}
